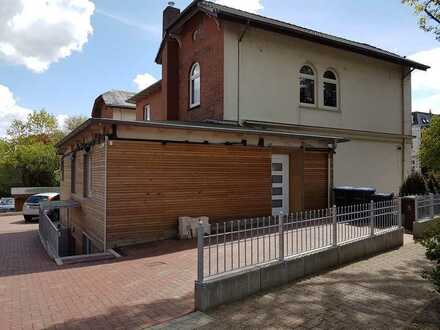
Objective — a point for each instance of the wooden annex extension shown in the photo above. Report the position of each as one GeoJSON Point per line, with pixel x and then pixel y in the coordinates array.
{"type": "Point", "coordinates": [134, 179]}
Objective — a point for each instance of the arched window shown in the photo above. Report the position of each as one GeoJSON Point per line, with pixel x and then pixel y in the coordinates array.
{"type": "Point", "coordinates": [194, 86]}
{"type": "Point", "coordinates": [307, 85]}
{"type": "Point", "coordinates": [330, 89]}
{"type": "Point", "coordinates": [147, 112]}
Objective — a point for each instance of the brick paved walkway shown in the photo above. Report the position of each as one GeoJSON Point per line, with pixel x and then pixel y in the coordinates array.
{"type": "Point", "coordinates": [152, 284]}
{"type": "Point", "coordinates": [383, 292]}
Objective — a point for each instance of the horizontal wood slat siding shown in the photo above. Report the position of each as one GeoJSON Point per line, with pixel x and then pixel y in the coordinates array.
{"type": "Point", "coordinates": [150, 185]}
{"type": "Point", "coordinates": [315, 180]}
{"type": "Point", "coordinates": [89, 218]}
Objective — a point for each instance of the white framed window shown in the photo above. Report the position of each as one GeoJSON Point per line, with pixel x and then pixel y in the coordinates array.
{"type": "Point", "coordinates": [307, 83]}
{"type": "Point", "coordinates": [194, 86]}
{"type": "Point", "coordinates": [147, 113]}
{"type": "Point", "coordinates": [330, 90]}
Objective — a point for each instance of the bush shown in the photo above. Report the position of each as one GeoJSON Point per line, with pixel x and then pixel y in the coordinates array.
{"type": "Point", "coordinates": [414, 185]}
{"type": "Point", "coordinates": [431, 242]}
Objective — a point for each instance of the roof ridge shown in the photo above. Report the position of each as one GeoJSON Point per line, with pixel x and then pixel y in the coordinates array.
{"type": "Point", "coordinates": [300, 27]}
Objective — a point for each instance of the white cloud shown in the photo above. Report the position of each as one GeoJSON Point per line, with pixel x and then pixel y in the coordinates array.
{"type": "Point", "coordinates": [61, 119]}
{"type": "Point", "coordinates": [9, 109]}
{"type": "Point", "coordinates": [426, 85]}
{"type": "Point", "coordinates": [36, 33]}
{"type": "Point", "coordinates": [252, 6]}
{"type": "Point", "coordinates": [142, 81]}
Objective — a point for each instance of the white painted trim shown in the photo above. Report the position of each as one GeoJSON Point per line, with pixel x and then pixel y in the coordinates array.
{"type": "Point", "coordinates": [314, 78]}
{"type": "Point", "coordinates": [193, 77]}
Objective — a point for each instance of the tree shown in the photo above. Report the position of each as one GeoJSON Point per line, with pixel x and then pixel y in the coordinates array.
{"type": "Point", "coordinates": [28, 155]}
{"type": "Point", "coordinates": [73, 122]}
{"type": "Point", "coordinates": [39, 127]}
{"type": "Point", "coordinates": [429, 14]}
{"type": "Point", "coordinates": [414, 184]}
{"type": "Point", "coordinates": [430, 147]}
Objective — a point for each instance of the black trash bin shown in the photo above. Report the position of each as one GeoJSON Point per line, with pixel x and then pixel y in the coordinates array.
{"type": "Point", "coordinates": [383, 197]}
{"type": "Point", "coordinates": [353, 195]}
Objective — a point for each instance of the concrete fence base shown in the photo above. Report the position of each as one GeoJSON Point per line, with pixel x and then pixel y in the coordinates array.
{"type": "Point", "coordinates": [237, 286]}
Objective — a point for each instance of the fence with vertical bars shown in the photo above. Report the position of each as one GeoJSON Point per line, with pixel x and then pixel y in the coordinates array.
{"type": "Point", "coordinates": [247, 243]}
{"type": "Point", "coordinates": [427, 206]}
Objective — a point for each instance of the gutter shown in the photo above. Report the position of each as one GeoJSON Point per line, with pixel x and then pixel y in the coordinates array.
{"type": "Point", "coordinates": [404, 77]}
{"type": "Point", "coordinates": [240, 39]}
{"type": "Point", "coordinates": [176, 125]}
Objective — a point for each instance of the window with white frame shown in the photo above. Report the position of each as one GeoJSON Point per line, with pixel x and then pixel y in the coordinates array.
{"type": "Point", "coordinates": [87, 172]}
{"type": "Point", "coordinates": [194, 86]}
{"type": "Point", "coordinates": [147, 112]}
{"type": "Point", "coordinates": [330, 90]}
{"type": "Point", "coordinates": [307, 85]}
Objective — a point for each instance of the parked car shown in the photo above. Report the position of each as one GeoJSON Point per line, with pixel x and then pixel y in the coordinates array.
{"type": "Point", "coordinates": [31, 208]}
{"type": "Point", "coordinates": [7, 204]}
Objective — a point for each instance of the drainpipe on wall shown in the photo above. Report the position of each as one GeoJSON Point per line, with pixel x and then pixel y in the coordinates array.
{"type": "Point", "coordinates": [404, 76]}
{"type": "Point", "coordinates": [240, 39]}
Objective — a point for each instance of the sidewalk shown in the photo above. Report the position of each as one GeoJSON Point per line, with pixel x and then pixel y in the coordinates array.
{"type": "Point", "coordinates": [383, 292]}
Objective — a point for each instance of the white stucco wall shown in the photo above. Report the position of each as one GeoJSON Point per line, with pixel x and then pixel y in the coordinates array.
{"type": "Point", "coordinates": [265, 87]}
{"type": "Point", "coordinates": [370, 89]}
{"type": "Point", "coordinates": [368, 164]}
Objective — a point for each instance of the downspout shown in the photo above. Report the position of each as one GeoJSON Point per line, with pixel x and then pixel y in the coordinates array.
{"type": "Point", "coordinates": [404, 76]}
{"type": "Point", "coordinates": [240, 39]}
{"type": "Point", "coordinates": [105, 191]}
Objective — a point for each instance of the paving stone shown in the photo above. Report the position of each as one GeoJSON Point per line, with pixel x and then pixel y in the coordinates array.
{"type": "Point", "coordinates": [151, 284]}
{"type": "Point", "coordinates": [382, 292]}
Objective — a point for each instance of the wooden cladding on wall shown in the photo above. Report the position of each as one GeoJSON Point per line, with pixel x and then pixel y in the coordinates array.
{"type": "Point", "coordinates": [90, 217]}
{"type": "Point", "coordinates": [316, 182]}
{"type": "Point", "coordinates": [151, 184]}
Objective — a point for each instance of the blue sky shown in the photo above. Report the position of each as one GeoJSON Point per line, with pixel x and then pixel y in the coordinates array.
{"type": "Point", "coordinates": [126, 36]}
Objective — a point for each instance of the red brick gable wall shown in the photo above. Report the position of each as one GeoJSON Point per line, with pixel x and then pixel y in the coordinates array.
{"type": "Point", "coordinates": [177, 59]}
{"type": "Point", "coordinates": [207, 50]}
{"type": "Point", "coordinates": [155, 102]}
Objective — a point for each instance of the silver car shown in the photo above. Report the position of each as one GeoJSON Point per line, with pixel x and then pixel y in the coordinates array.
{"type": "Point", "coordinates": [31, 208]}
{"type": "Point", "coordinates": [7, 204]}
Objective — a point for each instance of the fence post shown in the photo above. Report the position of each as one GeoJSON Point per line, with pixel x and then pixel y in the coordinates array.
{"type": "Point", "coordinates": [371, 218]}
{"type": "Point", "coordinates": [399, 210]}
{"type": "Point", "coordinates": [335, 225]}
{"type": "Point", "coordinates": [431, 206]}
{"type": "Point", "coordinates": [200, 256]}
{"type": "Point", "coordinates": [281, 236]}
{"type": "Point", "coordinates": [416, 208]}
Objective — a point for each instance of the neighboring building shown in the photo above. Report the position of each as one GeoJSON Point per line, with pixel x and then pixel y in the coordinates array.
{"type": "Point", "coordinates": [113, 105]}
{"type": "Point", "coordinates": [246, 121]}
{"type": "Point", "coordinates": [20, 194]}
{"type": "Point", "coordinates": [149, 103]}
{"type": "Point", "coordinates": [421, 120]}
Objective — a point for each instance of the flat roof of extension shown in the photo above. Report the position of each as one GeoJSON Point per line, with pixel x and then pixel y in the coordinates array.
{"type": "Point", "coordinates": [200, 126]}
